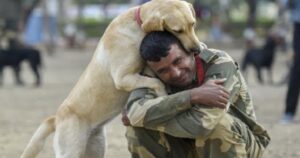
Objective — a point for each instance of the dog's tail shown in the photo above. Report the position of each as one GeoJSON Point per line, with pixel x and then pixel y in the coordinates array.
{"type": "Point", "coordinates": [38, 139]}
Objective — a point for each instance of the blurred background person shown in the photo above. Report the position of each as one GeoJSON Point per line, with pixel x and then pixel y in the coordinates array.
{"type": "Point", "coordinates": [70, 34]}
{"type": "Point", "coordinates": [292, 96]}
{"type": "Point", "coordinates": [42, 26]}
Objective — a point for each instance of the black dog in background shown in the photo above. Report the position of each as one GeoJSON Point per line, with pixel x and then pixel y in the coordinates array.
{"type": "Point", "coordinates": [13, 57]}
{"type": "Point", "coordinates": [263, 57]}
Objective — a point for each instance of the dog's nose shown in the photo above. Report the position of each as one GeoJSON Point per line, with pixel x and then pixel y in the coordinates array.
{"type": "Point", "coordinates": [195, 50]}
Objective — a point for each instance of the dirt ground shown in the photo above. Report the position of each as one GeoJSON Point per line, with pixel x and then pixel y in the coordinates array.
{"type": "Point", "coordinates": [23, 108]}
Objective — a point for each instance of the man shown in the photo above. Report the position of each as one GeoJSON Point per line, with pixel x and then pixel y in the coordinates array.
{"type": "Point", "coordinates": [294, 82]}
{"type": "Point", "coordinates": [207, 114]}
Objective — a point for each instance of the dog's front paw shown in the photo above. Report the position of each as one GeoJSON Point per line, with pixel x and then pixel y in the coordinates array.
{"type": "Point", "coordinates": [160, 89]}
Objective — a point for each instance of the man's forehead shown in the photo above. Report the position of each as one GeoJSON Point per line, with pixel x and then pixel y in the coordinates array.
{"type": "Point", "coordinates": [174, 53]}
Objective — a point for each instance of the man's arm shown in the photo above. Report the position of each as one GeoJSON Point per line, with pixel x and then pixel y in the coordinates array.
{"type": "Point", "coordinates": [178, 118]}
{"type": "Point", "coordinates": [144, 101]}
{"type": "Point", "coordinates": [204, 118]}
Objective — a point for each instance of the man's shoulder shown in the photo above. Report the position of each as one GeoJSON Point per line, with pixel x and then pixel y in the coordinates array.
{"type": "Point", "coordinates": [215, 56]}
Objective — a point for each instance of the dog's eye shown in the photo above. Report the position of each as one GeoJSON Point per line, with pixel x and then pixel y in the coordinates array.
{"type": "Point", "coordinates": [193, 24]}
{"type": "Point", "coordinates": [178, 31]}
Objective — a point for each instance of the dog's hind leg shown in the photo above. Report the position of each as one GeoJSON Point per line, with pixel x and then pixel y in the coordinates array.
{"type": "Point", "coordinates": [1, 76]}
{"type": "Point", "coordinates": [71, 137]}
{"type": "Point", "coordinates": [18, 79]}
{"type": "Point", "coordinates": [258, 73]}
{"type": "Point", "coordinates": [35, 70]}
{"type": "Point", "coordinates": [96, 143]}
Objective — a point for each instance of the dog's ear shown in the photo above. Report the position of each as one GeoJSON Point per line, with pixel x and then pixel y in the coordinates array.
{"type": "Point", "coordinates": [154, 23]}
{"type": "Point", "coordinates": [192, 9]}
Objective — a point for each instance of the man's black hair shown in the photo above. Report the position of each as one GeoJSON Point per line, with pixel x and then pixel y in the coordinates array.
{"type": "Point", "coordinates": [156, 45]}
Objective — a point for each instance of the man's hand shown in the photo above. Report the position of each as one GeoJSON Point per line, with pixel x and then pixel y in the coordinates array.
{"type": "Point", "coordinates": [211, 93]}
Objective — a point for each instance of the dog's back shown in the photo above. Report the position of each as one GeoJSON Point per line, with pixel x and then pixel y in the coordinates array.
{"type": "Point", "coordinates": [13, 57]}
{"type": "Point", "coordinates": [10, 58]}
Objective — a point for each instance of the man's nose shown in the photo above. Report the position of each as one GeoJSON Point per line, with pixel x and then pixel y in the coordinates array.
{"type": "Point", "coordinates": [175, 72]}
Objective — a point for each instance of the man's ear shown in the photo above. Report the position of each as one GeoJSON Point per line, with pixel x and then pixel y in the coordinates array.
{"type": "Point", "coordinates": [149, 72]}
{"type": "Point", "coordinates": [154, 23]}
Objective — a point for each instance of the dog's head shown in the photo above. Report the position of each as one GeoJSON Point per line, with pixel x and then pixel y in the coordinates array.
{"type": "Point", "coordinates": [175, 16]}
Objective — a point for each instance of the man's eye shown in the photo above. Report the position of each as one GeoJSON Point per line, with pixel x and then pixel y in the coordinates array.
{"type": "Point", "coordinates": [194, 24]}
{"type": "Point", "coordinates": [178, 61]}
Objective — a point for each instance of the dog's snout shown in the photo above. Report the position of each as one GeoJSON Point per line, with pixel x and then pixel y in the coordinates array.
{"type": "Point", "coordinates": [195, 50]}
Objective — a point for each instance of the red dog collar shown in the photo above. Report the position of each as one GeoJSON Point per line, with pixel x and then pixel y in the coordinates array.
{"type": "Point", "coordinates": [200, 70]}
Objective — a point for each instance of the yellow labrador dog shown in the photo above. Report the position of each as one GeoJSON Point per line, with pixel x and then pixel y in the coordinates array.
{"type": "Point", "coordinates": [103, 88]}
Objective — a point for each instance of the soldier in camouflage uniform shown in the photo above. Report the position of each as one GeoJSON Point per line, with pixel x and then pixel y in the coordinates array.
{"type": "Point", "coordinates": [180, 126]}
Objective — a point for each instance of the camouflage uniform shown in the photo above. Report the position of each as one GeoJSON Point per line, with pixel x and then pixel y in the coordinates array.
{"type": "Point", "coordinates": [169, 126]}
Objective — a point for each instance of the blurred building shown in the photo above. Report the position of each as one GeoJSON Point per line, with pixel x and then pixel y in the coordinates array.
{"type": "Point", "coordinates": [8, 15]}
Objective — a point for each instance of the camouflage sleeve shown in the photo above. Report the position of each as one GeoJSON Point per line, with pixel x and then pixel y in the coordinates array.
{"type": "Point", "coordinates": [174, 115]}
{"type": "Point", "coordinates": [144, 102]}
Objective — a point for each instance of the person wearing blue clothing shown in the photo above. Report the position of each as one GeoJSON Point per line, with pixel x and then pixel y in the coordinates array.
{"type": "Point", "coordinates": [292, 96]}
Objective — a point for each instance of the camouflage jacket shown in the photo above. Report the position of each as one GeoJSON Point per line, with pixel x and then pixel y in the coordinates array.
{"type": "Point", "coordinates": [173, 114]}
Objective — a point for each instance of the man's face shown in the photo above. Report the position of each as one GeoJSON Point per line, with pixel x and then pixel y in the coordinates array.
{"type": "Point", "coordinates": [177, 69]}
